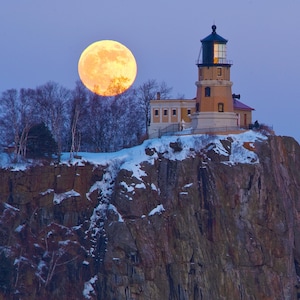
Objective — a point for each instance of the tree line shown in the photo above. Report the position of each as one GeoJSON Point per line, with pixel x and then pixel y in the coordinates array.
{"type": "Point", "coordinates": [53, 119]}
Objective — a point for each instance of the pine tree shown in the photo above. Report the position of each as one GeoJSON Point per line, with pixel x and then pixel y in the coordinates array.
{"type": "Point", "coordinates": [40, 142]}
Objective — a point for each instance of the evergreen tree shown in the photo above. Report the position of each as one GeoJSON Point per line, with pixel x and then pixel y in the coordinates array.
{"type": "Point", "coordinates": [40, 142]}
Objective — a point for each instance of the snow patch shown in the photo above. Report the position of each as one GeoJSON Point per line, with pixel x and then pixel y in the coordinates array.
{"type": "Point", "coordinates": [41, 266]}
{"type": "Point", "coordinates": [20, 259]}
{"type": "Point", "coordinates": [64, 243]}
{"type": "Point", "coordinates": [49, 191]}
{"type": "Point", "coordinates": [95, 187]}
{"type": "Point", "coordinates": [153, 187]}
{"type": "Point", "coordinates": [58, 198]}
{"type": "Point", "coordinates": [89, 290]}
{"type": "Point", "coordinates": [19, 228]}
{"type": "Point", "coordinates": [219, 148]}
{"type": "Point", "coordinates": [140, 186]}
{"type": "Point", "coordinates": [129, 189]}
{"type": "Point", "coordinates": [188, 185]}
{"type": "Point", "coordinates": [8, 206]}
{"type": "Point", "coordinates": [113, 208]}
{"type": "Point", "coordinates": [157, 210]}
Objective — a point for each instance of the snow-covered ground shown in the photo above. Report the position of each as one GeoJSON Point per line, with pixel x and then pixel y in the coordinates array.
{"type": "Point", "coordinates": [131, 158]}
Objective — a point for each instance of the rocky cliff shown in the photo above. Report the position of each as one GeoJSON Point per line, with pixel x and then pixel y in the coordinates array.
{"type": "Point", "coordinates": [203, 217]}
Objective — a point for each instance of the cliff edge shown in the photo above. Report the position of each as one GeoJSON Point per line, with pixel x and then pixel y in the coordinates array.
{"type": "Point", "coordinates": [190, 217]}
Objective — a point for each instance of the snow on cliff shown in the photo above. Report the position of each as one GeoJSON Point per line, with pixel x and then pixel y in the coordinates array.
{"type": "Point", "coordinates": [242, 151]}
{"type": "Point", "coordinates": [131, 158]}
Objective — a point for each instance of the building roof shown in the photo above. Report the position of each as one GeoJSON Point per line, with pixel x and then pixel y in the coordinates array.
{"type": "Point", "coordinates": [239, 105]}
{"type": "Point", "coordinates": [214, 37]}
{"type": "Point", "coordinates": [173, 100]}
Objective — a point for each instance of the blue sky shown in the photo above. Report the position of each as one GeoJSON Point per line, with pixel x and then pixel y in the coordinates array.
{"type": "Point", "coordinates": [42, 41]}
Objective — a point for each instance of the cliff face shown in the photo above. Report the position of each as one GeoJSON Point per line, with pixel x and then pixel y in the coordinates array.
{"type": "Point", "coordinates": [215, 219]}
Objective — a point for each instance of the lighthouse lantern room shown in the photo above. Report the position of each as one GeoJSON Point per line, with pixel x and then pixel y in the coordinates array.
{"type": "Point", "coordinates": [214, 49]}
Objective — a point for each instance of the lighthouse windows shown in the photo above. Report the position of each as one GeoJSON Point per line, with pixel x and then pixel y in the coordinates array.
{"type": "Point", "coordinates": [207, 91]}
{"type": "Point", "coordinates": [220, 107]}
{"type": "Point", "coordinates": [219, 53]}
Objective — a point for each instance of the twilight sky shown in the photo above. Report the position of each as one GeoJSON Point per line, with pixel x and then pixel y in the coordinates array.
{"type": "Point", "coordinates": [42, 41]}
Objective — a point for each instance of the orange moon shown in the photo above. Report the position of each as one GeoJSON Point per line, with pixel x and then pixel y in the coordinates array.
{"type": "Point", "coordinates": [107, 68]}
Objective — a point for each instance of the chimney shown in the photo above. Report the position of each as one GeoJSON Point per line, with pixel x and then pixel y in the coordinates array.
{"type": "Point", "coordinates": [158, 95]}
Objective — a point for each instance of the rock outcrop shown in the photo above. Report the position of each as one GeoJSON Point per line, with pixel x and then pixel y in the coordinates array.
{"type": "Point", "coordinates": [215, 218]}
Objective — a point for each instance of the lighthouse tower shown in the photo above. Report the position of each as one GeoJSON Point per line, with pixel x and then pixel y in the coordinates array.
{"type": "Point", "coordinates": [214, 103]}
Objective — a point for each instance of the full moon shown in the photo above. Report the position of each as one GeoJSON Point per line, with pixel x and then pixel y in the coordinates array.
{"type": "Point", "coordinates": [107, 68]}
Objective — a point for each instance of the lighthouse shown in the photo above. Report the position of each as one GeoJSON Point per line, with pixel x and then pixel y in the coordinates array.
{"type": "Point", "coordinates": [214, 103]}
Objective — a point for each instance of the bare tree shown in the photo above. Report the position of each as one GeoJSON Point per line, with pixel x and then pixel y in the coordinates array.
{"type": "Point", "coordinates": [18, 114]}
{"type": "Point", "coordinates": [78, 111]}
{"type": "Point", "coordinates": [79, 118]}
{"type": "Point", "coordinates": [10, 118]}
{"type": "Point", "coordinates": [98, 115]}
{"type": "Point", "coordinates": [52, 100]}
{"type": "Point", "coordinates": [57, 259]}
{"type": "Point", "coordinates": [28, 115]}
{"type": "Point", "coordinates": [164, 90]}
{"type": "Point", "coordinates": [111, 123]}
{"type": "Point", "coordinates": [147, 91]}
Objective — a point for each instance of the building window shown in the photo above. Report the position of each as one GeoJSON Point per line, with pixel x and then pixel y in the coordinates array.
{"type": "Point", "coordinates": [207, 92]}
{"type": "Point", "coordinates": [219, 71]}
{"type": "Point", "coordinates": [220, 107]}
{"type": "Point", "coordinates": [165, 112]}
{"type": "Point", "coordinates": [174, 112]}
{"type": "Point", "coordinates": [156, 112]}
{"type": "Point", "coordinates": [188, 111]}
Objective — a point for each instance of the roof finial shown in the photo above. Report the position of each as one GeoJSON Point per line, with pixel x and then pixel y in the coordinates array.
{"type": "Point", "coordinates": [214, 27]}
